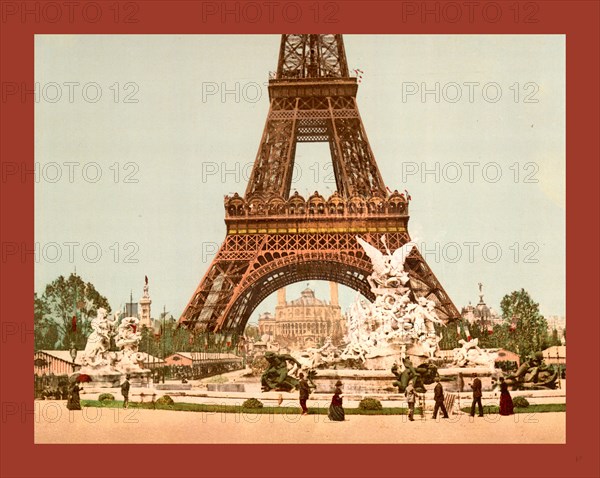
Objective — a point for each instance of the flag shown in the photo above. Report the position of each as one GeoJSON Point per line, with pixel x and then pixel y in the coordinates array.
{"type": "Point", "coordinates": [408, 196]}
{"type": "Point", "coordinates": [458, 329]}
{"type": "Point", "coordinates": [467, 333]}
{"type": "Point", "coordinates": [359, 74]}
{"type": "Point", "coordinates": [74, 324]}
{"type": "Point", "coordinates": [490, 329]}
{"type": "Point", "coordinates": [146, 279]}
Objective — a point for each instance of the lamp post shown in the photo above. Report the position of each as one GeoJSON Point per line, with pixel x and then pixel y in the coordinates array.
{"type": "Point", "coordinates": [73, 352]}
{"type": "Point", "coordinates": [558, 363]}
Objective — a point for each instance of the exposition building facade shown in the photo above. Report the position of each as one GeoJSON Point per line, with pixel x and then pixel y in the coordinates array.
{"type": "Point", "coordinates": [304, 322]}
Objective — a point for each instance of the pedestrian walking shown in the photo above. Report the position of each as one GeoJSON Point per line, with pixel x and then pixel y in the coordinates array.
{"type": "Point", "coordinates": [506, 403]}
{"type": "Point", "coordinates": [304, 390]}
{"type": "Point", "coordinates": [438, 396]}
{"type": "Point", "coordinates": [125, 391]}
{"type": "Point", "coordinates": [336, 410]}
{"type": "Point", "coordinates": [73, 402]}
{"type": "Point", "coordinates": [411, 397]}
{"type": "Point", "coordinates": [476, 387]}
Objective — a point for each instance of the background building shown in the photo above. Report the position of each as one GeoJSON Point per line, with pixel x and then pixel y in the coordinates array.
{"type": "Point", "coordinates": [304, 322]}
{"type": "Point", "coordinates": [481, 312]}
{"type": "Point", "coordinates": [556, 354]}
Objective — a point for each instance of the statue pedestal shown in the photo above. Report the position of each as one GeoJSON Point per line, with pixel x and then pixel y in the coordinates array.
{"type": "Point", "coordinates": [102, 380]}
{"type": "Point", "coordinates": [488, 376]}
{"type": "Point", "coordinates": [139, 379]}
{"type": "Point", "coordinates": [382, 362]}
{"type": "Point", "coordinates": [356, 382]}
{"type": "Point", "coordinates": [385, 357]}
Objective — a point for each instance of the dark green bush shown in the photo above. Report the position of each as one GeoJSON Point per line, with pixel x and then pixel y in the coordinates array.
{"type": "Point", "coordinates": [105, 397]}
{"type": "Point", "coordinates": [370, 404]}
{"type": "Point", "coordinates": [165, 400]}
{"type": "Point", "coordinates": [252, 403]}
{"type": "Point", "coordinates": [520, 402]}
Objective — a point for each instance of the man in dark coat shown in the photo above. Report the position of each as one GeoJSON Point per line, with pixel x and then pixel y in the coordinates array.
{"type": "Point", "coordinates": [476, 386]}
{"type": "Point", "coordinates": [438, 396]}
{"type": "Point", "coordinates": [125, 392]}
{"type": "Point", "coordinates": [304, 390]}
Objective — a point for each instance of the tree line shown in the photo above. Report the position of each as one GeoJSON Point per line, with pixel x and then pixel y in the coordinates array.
{"type": "Point", "coordinates": [63, 313]}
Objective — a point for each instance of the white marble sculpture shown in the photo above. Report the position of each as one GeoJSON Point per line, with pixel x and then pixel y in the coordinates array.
{"type": "Point", "coordinates": [128, 339]}
{"type": "Point", "coordinates": [393, 322]}
{"type": "Point", "coordinates": [313, 357]}
{"type": "Point", "coordinates": [470, 355]}
{"type": "Point", "coordinates": [97, 356]}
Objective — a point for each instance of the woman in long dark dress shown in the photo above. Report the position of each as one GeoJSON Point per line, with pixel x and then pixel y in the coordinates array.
{"type": "Point", "coordinates": [336, 410]}
{"type": "Point", "coordinates": [506, 404]}
{"type": "Point", "coordinates": [73, 398]}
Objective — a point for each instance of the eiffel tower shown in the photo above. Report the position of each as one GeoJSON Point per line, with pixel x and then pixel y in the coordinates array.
{"type": "Point", "coordinates": [275, 239]}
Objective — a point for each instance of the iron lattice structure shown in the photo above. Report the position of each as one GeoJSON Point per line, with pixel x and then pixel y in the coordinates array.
{"type": "Point", "coordinates": [274, 239]}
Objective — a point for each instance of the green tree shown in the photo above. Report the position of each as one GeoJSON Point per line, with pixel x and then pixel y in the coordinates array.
{"type": "Point", "coordinates": [44, 329]}
{"type": "Point", "coordinates": [554, 338]}
{"type": "Point", "coordinates": [61, 300]}
{"type": "Point", "coordinates": [494, 338]}
{"type": "Point", "coordinates": [531, 329]}
{"type": "Point", "coordinates": [252, 332]}
{"type": "Point", "coordinates": [449, 336]}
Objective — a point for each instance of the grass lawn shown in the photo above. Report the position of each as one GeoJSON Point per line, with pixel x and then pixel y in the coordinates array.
{"type": "Point", "coordinates": [207, 408]}
{"type": "Point", "coordinates": [200, 407]}
{"type": "Point", "coordinates": [542, 408]}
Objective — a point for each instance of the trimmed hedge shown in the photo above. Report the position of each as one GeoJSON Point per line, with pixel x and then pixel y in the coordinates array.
{"type": "Point", "coordinates": [104, 397]}
{"type": "Point", "coordinates": [252, 403]}
{"type": "Point", "coordinates": [165, 400]}
{"type": "Point", "coordinates": [370, 404]}
{"type": "Point", "coordinates": [520, 402]}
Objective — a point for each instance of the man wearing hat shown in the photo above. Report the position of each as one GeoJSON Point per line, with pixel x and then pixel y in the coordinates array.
{"type": "Point", "coordinates": [476, 386]}
{"type": "Point", "coordinates": [438, 396]}
{"type": "Point", "coordinates": [304, 390]}
{"type": "Point", "coordinates": [125, 392]}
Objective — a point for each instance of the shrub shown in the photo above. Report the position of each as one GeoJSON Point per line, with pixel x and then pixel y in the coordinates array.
{"type": "Point", "coordinates": [165, 400]}
{"type": "Point", "coordinates": [105, 397]}
{"type": "Point", "coordinates": [370, 404]}
{"type": "Point", "coordinates": [252, 403]}
{"type": "Point", "coordinates": [520, 402]}
{"type": "Point", "coordinates": [259, 365]}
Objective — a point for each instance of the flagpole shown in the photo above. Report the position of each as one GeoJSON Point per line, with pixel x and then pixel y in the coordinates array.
{"type": "Point", "coordinates": [162, 339]}
{"type": "Point", "coordinates": [72, 348]}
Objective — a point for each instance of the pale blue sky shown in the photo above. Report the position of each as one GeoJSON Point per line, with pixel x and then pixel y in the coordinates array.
{"type": "Point", "coordinates": [182, 141]}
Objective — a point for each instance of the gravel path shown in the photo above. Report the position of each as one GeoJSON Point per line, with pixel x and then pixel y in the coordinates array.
{"type": "Point", "coordinates": [55, 424]}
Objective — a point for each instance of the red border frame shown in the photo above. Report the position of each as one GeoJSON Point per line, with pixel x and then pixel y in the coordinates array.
{"type": "Point", "coordinates": [20, 457]}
